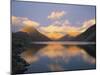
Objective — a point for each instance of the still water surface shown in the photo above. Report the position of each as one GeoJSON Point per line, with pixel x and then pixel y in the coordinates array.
{"type": "Point", "coordinates": [59, 57]}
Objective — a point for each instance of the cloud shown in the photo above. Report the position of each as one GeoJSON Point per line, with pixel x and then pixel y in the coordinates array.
{"type": "Point", "coordinates": [29, 57]}
{"type": "Point", "coordinates": [14, 20]}
{"type": "Point", "coordinates": [56, 15]}
{"type": "Point", "coordinates": [27, 29]}
{"type": "Point", "coordinates": [89, 23]}
{"type": "Point", "coordinates": [23, 23]}
{"type": "Point", "coordinates": [30, 23]}
{"type": "Point", "coordinates": [29, 26]}
{"type": "Point", "coordinates": [18, 20]}
{"type": "Point", "coordinates": [58, 29]}
{"type": "Point", "coordinates": [54, 31]}
{"type": "Point", "coordinates": [75, 31]}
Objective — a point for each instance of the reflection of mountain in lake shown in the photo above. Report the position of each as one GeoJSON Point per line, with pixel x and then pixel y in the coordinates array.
{"type": "Point", "coordinates": [55, 57]}
{"type": "Point", "coordinates": [90, 49]}
{"type": "Point", "coordinates": [19, 65]}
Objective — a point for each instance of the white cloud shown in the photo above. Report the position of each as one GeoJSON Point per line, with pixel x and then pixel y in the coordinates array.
{"type": "Point", "coordinates": [31, 23]}
{"type": "Point", "coordinates": [18, 20]}
{"type": "Point", "coordinates": [23, 23]}
{"type": "Point", "coordinates": [89, 23]}
{"type": "Point", "coordinates": [56, 15]}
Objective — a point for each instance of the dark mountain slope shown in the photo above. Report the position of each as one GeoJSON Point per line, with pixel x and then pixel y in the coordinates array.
{"type": "Point", "coordinates": [29, 36]}
{"type": "Point", "coordinates": [88, 35]}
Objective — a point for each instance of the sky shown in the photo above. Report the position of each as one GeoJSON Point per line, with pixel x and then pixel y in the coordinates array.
{"type": "Point", "coordinates": [48, 17]}
{"type": "Point", "coordinates": [40, 11]}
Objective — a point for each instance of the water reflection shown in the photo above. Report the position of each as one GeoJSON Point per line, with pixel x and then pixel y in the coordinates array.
{"type": "Point", "coordinates": [56, 57]}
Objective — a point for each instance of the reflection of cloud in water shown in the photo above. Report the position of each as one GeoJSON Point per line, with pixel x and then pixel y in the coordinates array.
{"type": "Point", "coordinates": [52, 51]}
{"type": "Point", "coordinates": [55, 67]}
{"type": "Point", "coordinates": [65, 53]}
{"type": "Point", "coordinates": [56, 52]}
{"type": "Point", "coordinates": [29, 57]}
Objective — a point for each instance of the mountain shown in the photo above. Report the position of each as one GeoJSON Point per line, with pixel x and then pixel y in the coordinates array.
{"type": "Point", "coordinates": [66, 38]}
{"type": "Point", "coordinates": [29, 36]}
{"type": "Point", "coordinates": [37, 36]}
{"type": "Point", "coordinates": [88, 35]}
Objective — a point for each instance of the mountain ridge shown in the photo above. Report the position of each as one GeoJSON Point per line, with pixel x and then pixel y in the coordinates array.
{"type": "Point", "coordinates": [38, 36]}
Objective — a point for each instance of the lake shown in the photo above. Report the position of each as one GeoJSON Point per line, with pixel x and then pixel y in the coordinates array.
{"type": "Point", "coordinates": [54, 56]}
